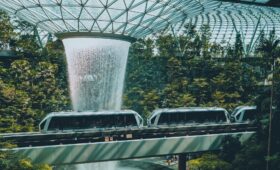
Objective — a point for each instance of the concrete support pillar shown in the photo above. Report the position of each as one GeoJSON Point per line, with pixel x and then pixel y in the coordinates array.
{"type": "Point", "coordinates": [182, 162]}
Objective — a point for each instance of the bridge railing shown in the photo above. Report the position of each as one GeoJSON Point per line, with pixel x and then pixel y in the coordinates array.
{"type": "Point", "coordinates": [120, 134]}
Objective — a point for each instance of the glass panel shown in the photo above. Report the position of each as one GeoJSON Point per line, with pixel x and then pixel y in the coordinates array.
{"type": "Point", "coordinates": [164, 119]}
{"type": "Point", "coordinates": [221, 16]}
{"type": "Point", "coordinates": [250, 115]}
{"type": "Point", "coordinates": [153, 120]}
{"type": "Point", "coordinates": [130, 120]}
{"type": "Point", "coordinates": [42, 125]}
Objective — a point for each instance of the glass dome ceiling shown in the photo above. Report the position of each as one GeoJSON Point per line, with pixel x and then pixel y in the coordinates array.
{"type": "Point", "coordinates": [134, 18]}
{"type": "Point", "coordinates": [259, 2]}
{"type": "Point", "coordinates": [138, 18]}
{"type": "Point", "coordinates": [226, 19]}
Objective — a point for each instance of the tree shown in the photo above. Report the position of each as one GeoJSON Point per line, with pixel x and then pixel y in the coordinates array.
{"type": "Point", "coordinates": [200, 88]}
{"type": "Point", "coordinates": [251, 156]}
{"type": "Point", "coordinates": [208, 162]}
{"type": "Point", "coordinates": [205, 35]}
{"type": "Point", "coordinates": [30, 86]}
{"type": "Point", "coordinates": [238, 47]}
{"type": "Point", "coordinates": [28, 94]}
{"type": "Point", "coordinates": [230, 147]}
{"type": "Point", "coordinates": [176, 95]}
{"type": "Point", "coordinates": [7, 33]}
{"type": "Point", "coordinates": [10, 161]}
{"type": "Point", "coordinates": [268, 48]}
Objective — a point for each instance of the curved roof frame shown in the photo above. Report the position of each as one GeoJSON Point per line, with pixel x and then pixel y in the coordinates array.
{"type": "Point", "coordinates": [134, 18]}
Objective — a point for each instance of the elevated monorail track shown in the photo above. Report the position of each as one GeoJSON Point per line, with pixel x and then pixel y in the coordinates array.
{"type": "Point", "coordinates": [121, 134]}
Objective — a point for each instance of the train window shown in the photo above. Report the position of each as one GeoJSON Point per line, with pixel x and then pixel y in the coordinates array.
{"type": "Point", "coordinates": [83, 122]}
{"type": "Point", "coordinates": [165, 118]}
{"type": "Point", "coordinates": [55, 123]}
{"type": "Point", "coordinates": [119, 121]}
{"type": "Point", "coordinates": [96, 121]}
{"type": "Point", "coordinates": [175, 118]}
{"type": "Point", "coordinates": [238, 116]}
{"type": "Point", "coordinates": [93, 121]}
{"type": "Point", "coordinates": [180, 117]}
{"type": "Point", "coordinates": [196, 117]}
{"type": "Point", "coordinates": [215, 116]}
{"type": "Point", "coordinates": [205, 117]}
{"type": "Point", "coordinates": [77, 122]}
{"type": "Point", "coordinates": [235, 111]}
{"type": "Point", "coordinates": [192, 116]}
{"type": "Point", "coordinates": [183, 117]}
{"type": "Point", "coordinates": [220, 116]}
{"type": "Point", "coordinates": [153, 120]}
{"type": "Point", "coordinates": [249, 115]}
{"type": "Point", "coordinates": [106, 121]}
{"type": "Point", "coordinates": [87, 122]}
{"type": "Point", "coordinates": [42, 125]}
{"type": "Point", "coordinates": [209, 116]}
{"type": "Point", "coordinates": [68, 123]}
{"type": "Point", "coordinates": [130, 120]}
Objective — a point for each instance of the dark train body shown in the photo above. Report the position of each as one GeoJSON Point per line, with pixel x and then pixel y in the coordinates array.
{"type": "Point", "coordinates": [188, 116]}
{"type": "Point", "coordinates": [243, 114]}
{"type": "Point", "coordinates": [101, 120]}
{"type": "Point", "coordinates": [89, 120]}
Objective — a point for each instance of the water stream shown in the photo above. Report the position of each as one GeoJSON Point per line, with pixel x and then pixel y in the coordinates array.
{"type": "Point", "coordinates": [146, 164]}
{"type": "Point", "coordinates": [96, 70]}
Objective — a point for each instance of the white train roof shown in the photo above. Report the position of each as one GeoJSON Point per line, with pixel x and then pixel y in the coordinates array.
{"type": "Point", "coordinates": [241, 108]}
{"type": "Point", "coordinates": [186, 109]}
{"type": "Point", "coordinates": [89, 113]}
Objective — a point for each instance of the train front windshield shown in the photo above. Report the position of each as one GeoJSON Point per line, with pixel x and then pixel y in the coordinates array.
{"type": "Point", "coordinates": [92, 121]}
{"type": "Point", "coordinates": [192, 117]}
{"type": "Point", "coordinates": [42, 125]}
{"type": "Point", "coordinates": [250, 114]}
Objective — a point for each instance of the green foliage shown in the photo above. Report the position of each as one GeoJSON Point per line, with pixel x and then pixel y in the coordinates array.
{"type": "Point", "coordinates": [158, 76]}
{"type": "Point", "coordinates": [238, 47]}
{"type": "Point", "coordinates": [175, 95]}
{"type": "Point", "coordinates": [163, 72]}
{"type": "Point", "coordinates": [208, 162]}
{"type": "Point", "coordinates": [28, 93]}
{"type": "Point", "coordinates": [251, 155]}
{"type": "Point", "coordinates": [230, 147]}
{"type": "Point", "coordinates": [7, 33]}
{"type": "Point", "coordinates": [10, 161]}
{"type": "Point", "coordinates": [32, 85]}
{"type": "Point", "coordinates": [187, 71]}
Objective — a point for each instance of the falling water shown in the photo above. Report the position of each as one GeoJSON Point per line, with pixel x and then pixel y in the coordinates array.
{"type": "Point", "coordinates": [96, 69]}
{"type": "Point", "coordinates": [97, 166]}
{"type": "Point", "coordinates": [141, 164]}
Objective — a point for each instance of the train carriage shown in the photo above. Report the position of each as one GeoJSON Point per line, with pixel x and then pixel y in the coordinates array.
{"type": "Point", "coordinates": [244, 114]}
{"type": "Point", "coordinates": [187, 116]}
{"type": "Point", "coordinates": [89, 120]}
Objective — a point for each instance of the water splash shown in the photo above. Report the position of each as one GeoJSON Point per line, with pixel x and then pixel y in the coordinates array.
{"type": "Point", "coordinates": [112, 165]}
{"type": "Point", "coordinates": [96, 69]}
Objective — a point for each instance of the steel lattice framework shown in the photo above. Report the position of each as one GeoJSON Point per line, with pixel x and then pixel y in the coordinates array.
{"type": "Point", "coordinates": [226, 19]}
{"type": "Point", "coordinates": [138, 18]}
{"type": "Point", "coordinates": [134, 18]}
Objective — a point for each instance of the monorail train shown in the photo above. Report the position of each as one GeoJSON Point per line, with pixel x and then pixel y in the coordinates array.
{"type": "Point", "coordinates": [88, 120]}
{"type": "Point", "coordinates": [244, 114]}
{"type": "Point", "coordinates": [187, 116]}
